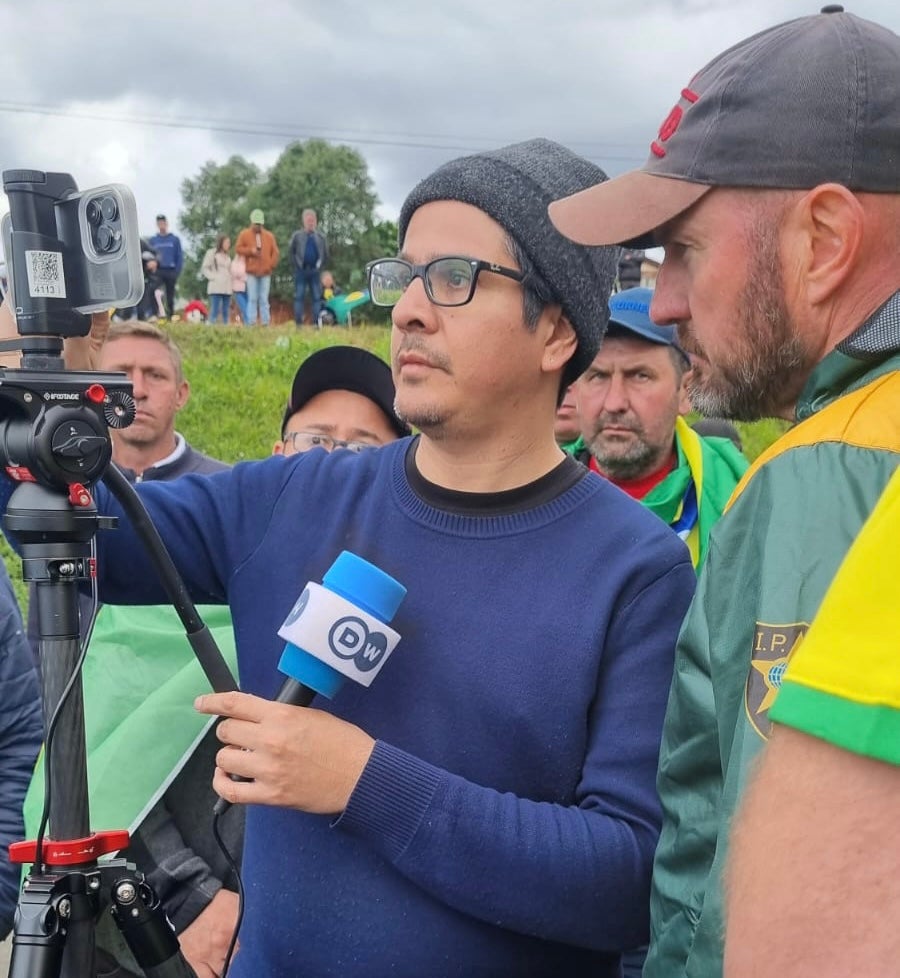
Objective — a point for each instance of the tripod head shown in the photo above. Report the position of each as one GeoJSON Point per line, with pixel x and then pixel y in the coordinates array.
{"type": "Point", "coordinates": [54, 425]}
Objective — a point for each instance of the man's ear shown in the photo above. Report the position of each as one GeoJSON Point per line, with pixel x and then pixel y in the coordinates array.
{"type": "Point", "coordinates": [561, 341]}
{"type": "Point", "coordinates": [827, 227]}
{"type": "Point", "coordinates": [184, 392]}
{"type": "Point", "coordinates": [278, 448]}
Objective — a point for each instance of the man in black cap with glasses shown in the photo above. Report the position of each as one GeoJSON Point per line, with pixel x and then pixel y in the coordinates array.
{"type": "Point", "coordinates": [774, 186]}
{"type": "Point", "coordinates": [341, 397]}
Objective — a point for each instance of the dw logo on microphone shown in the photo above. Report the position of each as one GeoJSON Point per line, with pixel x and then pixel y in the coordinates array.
{"type": "Point", "coordinates": [350, 638]}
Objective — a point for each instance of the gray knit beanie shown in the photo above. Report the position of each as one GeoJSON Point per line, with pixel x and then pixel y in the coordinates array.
{"type": "Point", "coordinates": [514, 186]}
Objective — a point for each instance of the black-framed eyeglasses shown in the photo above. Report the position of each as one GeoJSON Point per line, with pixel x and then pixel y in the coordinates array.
{"type": "Point", "coordinates": [448, 281]}
{"type": "Point", "coordinates": [303, 441]}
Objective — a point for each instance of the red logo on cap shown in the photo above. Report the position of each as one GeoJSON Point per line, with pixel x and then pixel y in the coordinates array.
{"type": "Point", "coordinates": [671, 123]}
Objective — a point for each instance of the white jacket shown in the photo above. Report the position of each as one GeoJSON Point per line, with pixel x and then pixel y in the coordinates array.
{"type": "Point", "coordinates": [216, 268]}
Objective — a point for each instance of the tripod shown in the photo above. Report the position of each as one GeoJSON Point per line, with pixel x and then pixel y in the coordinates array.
{"type": "Point", "coordinates": [58, 451]}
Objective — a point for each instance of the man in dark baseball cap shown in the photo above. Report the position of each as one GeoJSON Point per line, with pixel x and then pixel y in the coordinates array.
{"type": "Point", "coordinates": [811, 101]}
{"type": "Point", "coordinates": [774, 186]}
{"type": "Point", "coordinates": [341, 397]}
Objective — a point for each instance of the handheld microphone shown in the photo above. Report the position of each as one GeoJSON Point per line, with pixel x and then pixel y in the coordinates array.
{"type": "Point", "coordinates": [336, 631]}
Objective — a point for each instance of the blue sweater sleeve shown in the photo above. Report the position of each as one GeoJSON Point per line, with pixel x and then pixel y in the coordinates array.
{"type": "Point", "coordinates": [20, 739]}
{"type": "Point", "coordinates": [488, 853]}
{"type": "Point", "coordinates": [195, 516]}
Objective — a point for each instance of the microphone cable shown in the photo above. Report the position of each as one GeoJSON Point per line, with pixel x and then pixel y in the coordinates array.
{"type": "Point", "coordinates": [233, 866]}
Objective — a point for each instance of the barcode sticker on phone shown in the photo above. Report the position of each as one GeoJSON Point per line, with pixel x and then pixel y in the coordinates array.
{"type": "Point", "coordinates": [45, 274]}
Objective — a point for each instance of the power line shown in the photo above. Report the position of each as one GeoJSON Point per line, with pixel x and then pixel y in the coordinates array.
{"type": "Point", "coordinates": [400, 140]}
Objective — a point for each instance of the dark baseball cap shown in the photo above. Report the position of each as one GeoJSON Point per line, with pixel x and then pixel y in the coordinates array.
{"type": "Point", "coordinates": [345, 368]}
{"type": "Point", "coordinates": [161, 217]}
{"type": "Point", "coordinates": [811, 101]}
{"type": "Point", "coordinates": [629, 312]}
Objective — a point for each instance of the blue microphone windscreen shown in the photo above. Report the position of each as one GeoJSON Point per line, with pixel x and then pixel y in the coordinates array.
{"type": "Point", "coordinates": [310, 671]}
{"type": "Point", "coordinates": [365, 585]}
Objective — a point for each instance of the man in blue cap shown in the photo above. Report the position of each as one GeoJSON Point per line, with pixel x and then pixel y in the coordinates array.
{"type": "Point", "coordinates": [631, 400]}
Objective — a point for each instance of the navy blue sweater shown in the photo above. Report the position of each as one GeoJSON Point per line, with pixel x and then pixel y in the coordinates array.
{"type": "Point", "coordinates": [168, 251]}
{"type": "Point", "coordinates": [507, 819]}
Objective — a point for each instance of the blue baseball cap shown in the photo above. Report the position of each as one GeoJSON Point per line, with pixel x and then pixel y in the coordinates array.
{"type": "Point", "coordinates": [629, 311]}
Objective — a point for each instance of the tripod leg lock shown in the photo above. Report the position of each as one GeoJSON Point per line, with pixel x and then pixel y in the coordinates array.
{"type": "Point", "coordinates": [140, 917]}
{"type": "Point", "coordinates": [48, 904]}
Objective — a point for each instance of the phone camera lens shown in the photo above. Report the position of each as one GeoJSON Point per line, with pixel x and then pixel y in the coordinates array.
{"type": "Point", "coordinates": [94, 212]}
{"type": "Point", "coordinates": [109, 208]}
{"type": "Point", "coordinates": [108, 239]}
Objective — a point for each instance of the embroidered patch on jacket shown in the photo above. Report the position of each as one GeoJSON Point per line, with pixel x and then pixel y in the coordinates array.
{"type": "Point", "coordinates": [773, 645]}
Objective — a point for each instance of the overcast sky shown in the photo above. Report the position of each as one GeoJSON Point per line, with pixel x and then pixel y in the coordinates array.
{"type": "Point", "coordinates": [145, 93]}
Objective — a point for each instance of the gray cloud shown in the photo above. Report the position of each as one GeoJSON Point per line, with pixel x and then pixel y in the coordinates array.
{"type": "Point", "coordinates": [408, 84]}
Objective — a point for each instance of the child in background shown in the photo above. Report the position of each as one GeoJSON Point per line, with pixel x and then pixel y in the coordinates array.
{"type": "Point", "coordinates": [329, 288]}
{"type": "Point", "coordinates": [239, 285]}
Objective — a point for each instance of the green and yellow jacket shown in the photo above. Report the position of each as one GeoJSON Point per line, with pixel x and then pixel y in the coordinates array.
{"type": "Point", "coordinates": [770, 560]}
{"type": "Point", "coordinates": [694, 494]}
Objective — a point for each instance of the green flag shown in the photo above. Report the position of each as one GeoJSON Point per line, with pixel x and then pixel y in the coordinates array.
{"type": "Point", "coordinates": [140, 679]}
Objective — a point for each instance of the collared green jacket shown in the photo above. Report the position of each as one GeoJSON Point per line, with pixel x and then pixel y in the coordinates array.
{"type": "Point", "coordinates": [770, 560]}
{"type": "Point", "coordinates": [693, 496]}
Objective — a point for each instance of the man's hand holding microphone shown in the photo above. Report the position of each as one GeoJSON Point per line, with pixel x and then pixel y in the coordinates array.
{"type": "Point", "coordinates": [277, 754]}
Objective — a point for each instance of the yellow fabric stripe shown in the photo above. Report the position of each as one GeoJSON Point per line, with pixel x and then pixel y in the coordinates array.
{"type": "Point", "coordinates": [875, 427]}
{"type": "Point", "coordinates": [693, 543]}
{"type": "Point", "coordinates": [689, 441]}
{"type": "Point", "coordinates": [852, 649]}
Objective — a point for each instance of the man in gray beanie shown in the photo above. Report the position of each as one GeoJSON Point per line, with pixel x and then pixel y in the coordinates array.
{"type": "Point", "coordinates": [513, 186]}
{"type": "Point", "coordinates": [487, 806]}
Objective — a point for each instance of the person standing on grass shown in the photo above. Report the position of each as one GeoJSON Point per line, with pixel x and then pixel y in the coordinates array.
{"type": "Point", "coordinates": [630, 402]}
{"type": "Point", "coordinates": [259, 249]}
{"type": "Point", "coordinates": [216, 269]}
{"type": "Point", "coordinates": [239, 285]}
{"type": "Point", "coordinates": [170, 257]}
{"type": "Point", "coordinates": [309, 255]}
{"type": "Point", "coordinates": [341, 397]}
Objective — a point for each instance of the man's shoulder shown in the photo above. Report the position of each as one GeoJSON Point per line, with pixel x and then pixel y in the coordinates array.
{"type": "Point", "coordinates": [612, 516]}
{"type": "Point", "coordinates": [818, 451]}
{"type": "Point", "coordinates": [197, 461]}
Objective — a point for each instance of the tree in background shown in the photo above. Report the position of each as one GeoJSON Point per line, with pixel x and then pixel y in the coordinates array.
{"type": "Point", "coordinates": [333, 180]}
{"type": "Point", "coordinates": [218, 199]}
